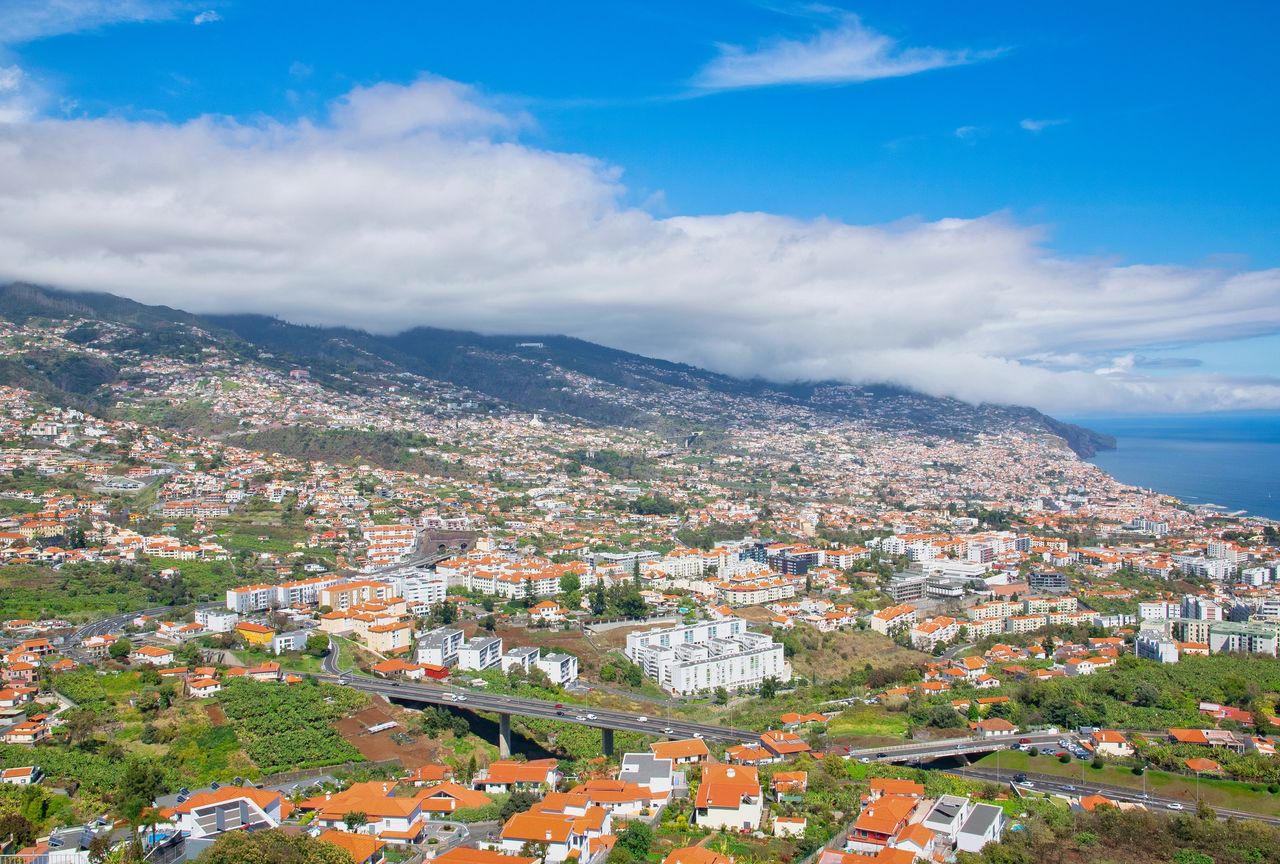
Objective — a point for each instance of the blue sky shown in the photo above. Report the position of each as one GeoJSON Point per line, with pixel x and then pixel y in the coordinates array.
{"type": "Point", "coordinates": [1113, 134]}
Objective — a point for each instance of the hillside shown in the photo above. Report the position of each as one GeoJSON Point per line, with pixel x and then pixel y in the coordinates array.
{"type": "Point", "coordinates": [552, 374]}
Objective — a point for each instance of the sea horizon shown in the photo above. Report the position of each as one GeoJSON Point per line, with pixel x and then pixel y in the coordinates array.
{"type": "Point", "coordinates": [1227, 459]}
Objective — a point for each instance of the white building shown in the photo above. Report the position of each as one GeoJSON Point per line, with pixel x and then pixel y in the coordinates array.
{"type": "Point", "coordinates": [217, 620]}
{"type": "Point", "coordinates": [709, 654]}
{"type": "Point", "coordinates": [481, 652]}
{"type": "Point", "coordinates": [440, 646]}
{"type": "Point", "coordinates": [560, 668]}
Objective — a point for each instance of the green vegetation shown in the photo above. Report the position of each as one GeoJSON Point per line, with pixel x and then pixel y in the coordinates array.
{"type": "Point", "coordinates": [1134, 837]}
{"type": "Point", "coordinates": [400, 451]}
{"type": "Point", "coordinates": [82, 592]}
{"type": "Point", "coordinates": [244, 847]}
{"type": "Point", "coordinates": [285, 728]}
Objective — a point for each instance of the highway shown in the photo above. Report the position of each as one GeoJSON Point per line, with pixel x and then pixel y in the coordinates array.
{"type": "Point", "coordinates": [599, 718]}
{"type": "Point", "coordinates": [1063, 786]}
{"type": "Point", "coordinates": [927, 751]}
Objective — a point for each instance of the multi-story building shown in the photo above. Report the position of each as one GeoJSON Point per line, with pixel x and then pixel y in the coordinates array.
{"type": "Point", "coordinates": [710, 654]}
{"type": "Point", "coordinates": [216, 620]}
{"type": "Point", "coordinates": [440, 646]}
{"type": "Point", "coordinates": [934, 631]}
{"type": "Point", "coordinates": [480, 652]}
{"type": "Point", "coordinates": [1229, 637]}
{"type": "Point", "coordinates": [560, 668]}
{"type": "Point", "coordinates": [891, 619]}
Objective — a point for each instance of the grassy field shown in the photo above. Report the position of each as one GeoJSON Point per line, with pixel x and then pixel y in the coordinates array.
{"type": "Point", "coordinates": [866, 721]}
{"type": "Point", "coordinates": [1219, 793]}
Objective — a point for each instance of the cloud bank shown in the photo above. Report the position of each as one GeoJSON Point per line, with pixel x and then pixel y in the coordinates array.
{"type": "Point", "coordinates": [847, 54]}
{"type": "Point", "coordinates": [419, 204]}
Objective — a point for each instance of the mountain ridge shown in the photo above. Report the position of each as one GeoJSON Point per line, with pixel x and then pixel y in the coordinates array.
{"type": "Point", "coordinates": [533, 372]}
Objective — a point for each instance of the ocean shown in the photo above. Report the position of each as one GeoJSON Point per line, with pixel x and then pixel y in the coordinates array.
{"type": "Point", "coordinates": [1232, 460]}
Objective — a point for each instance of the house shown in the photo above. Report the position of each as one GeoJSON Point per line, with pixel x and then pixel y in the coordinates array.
{"type": "Point", "coordinates": [792, 719]}
{"type": "Point", "coordinates": [254, 634]}
{"type": "Point", "coordinates": [447, 796]}
{"type": "Point", "coordinates": [916, 839]}
{"type": "Point", "coordinates": [750, 753]}
{"type": "Point", "coordinates": [993, 727]}
{"type": "Point", "coordinates": [694, 855]}
{"type": "Point", "coordinates": [881, 786]}
{"type": "Point", "coordinates": [564, 836]}
{"type": "Point", "coordinates": [427, 775]}
{"type": "Point", "coordinates": [1203, 766]}
{"type": "Point", "coordinates": [946, 816]}
{"type": "Point", "coordinates": [152, 655]}
{"type": "Point", "coordinates": [1108, 742]}
{"type": "Point", "coordinates": [29, 732]}
{"type": "Point", "coordinates": [203, 688]}
{"type": "Point", "coordinates": [27, 776]}
{"type": "Point", "coordinates": [984, 825]}
{"type": "Point", "coordinates": [729, 796]}
{"type": "Point", "coordinates": [782, 743]}
{"type": "Point", "coordinates": [467, 855]}
{"type": "Point", "coordinates": [648, 770]}
{"type": "Point", "coordinates": [508, 776]}
{"type": "Point", "coordinates": [390, 817]}
{"type": "Point", "coordinates": [688, 751]}
{"type": "Point", "coordinates": [362, 848]}
{"type": "Point", "coordinates": [620, 796]}
{"type": "Point", "coordinates": [789, 782]}
{"type": "Point", "coordinates": [230, 808]}
{"type": "Point", "coordinates": [879, 822]}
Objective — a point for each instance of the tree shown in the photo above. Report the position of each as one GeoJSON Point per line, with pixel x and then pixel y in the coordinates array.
{"type": "Point", "coordinates": [317, 644]}
{"type": "Point", "coordinates": [79, 723]}
{"type": "Point", "coordinates": [23, 831]}
{"type": "Point", "coordinates": [598, 602]}
{"type": "Point", "coordinates": [119, 649]}
{"type": "Point", "coordinates": [355, 820]}
{"type": "Point", "coordinates": [274, 846]}
{"type": "Point", "coordinates": [722, 696]}
{"type": "Point", "coordinates": [636, 838]}
{"type": "Point", "coordinates": [517, 802]}
{"type": "Point", "coordinates": [570, 583]}
{"type": "Point", "coordinates": [769, 688]}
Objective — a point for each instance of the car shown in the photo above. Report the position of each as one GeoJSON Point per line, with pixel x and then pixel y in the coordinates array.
{"type": "Point", "coordinates": [642, 719]}
{"type": "Point", "coordinates": [561, 713]}
{"type": "Point", "coordinates": [1069, 788]}
{"type": "Point", "coordinates": [1174, 805]}
{"type": "Point", "coordinates": [865, 759]}
{"type": "Point", "coordinates": [1063, 742]}
{"type": "Point", "coordinates": [1028, 784]}
{"type": "Point", "coordinates": [462, 697]}
{"type": "Point", "coordinates": [342, 682]}
{"type": "Point", "coordinates": [582, 717]}
{"type": "Point", "coordinates": [1024, 740]}
{"type": "Point", "coordinates": [1019, 777]}
{"type": "Point", "coordinates": [881, 756]}
{"type": "Point", "coordinates": [558, 705]}
{"type": "Point", "coordinates": [591, 717]}
{"type": "Point", "coordinates": [668, 731]}
{"type": "Point", "coordinates": [395, 683]}
{"type": "Point", "coordinates": [1015, 746]}
{"type": "Point", "coordinates": [697, 734]}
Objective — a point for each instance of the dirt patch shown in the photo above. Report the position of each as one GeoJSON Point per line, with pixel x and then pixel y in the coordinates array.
{"type": "Point", "coordinates": [214, 711]}
{"type": "Point", "coordinates": [389, 744]}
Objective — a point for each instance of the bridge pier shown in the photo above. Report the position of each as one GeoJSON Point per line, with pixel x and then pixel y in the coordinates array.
{"type": "Point", "coordinates": [606, 742]}
{"type": "Point", "coordinates": [504, 736]}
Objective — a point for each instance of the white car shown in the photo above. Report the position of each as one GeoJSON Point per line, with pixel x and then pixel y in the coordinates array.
{"type": "Point", "coordinates": [642, 719]}
{"type": "Point", "coordinates": [697, 734]}
{"type": "Point", "coordinates": [462, 697]}
{"type": "Point", "coordinates": [1174, 805]}
{"type": "Point", "coordinates": [591, 717]}
{"type": "Point", "coordinates": [668, 731]}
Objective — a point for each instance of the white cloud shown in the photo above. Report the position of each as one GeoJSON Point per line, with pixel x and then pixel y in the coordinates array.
{"type": "Point", "coordinates": [1035, 126]}
{"type": "Point", "coordinates": [208, 16]}
{"type": "Point", "coordinates": [847, 54]}
{"type": "Point", "coordinates": [28, 20]}
{"type": "Point", "coordinates": [966, 133]}
{"type": "Point", "coordinates": [419, 205]}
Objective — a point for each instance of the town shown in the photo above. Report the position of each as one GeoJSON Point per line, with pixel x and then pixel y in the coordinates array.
{"type": "Point", "coordinates": [404, 623]}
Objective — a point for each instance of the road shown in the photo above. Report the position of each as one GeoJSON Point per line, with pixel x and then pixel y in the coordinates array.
{"type": "Point", "coordinates": [599, 718]}
{"type": "Point", "coordinates": [926, 751]}
{"type": "Point", "coordinates": [1063, 786]}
